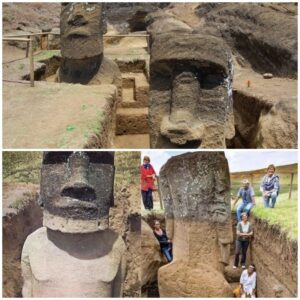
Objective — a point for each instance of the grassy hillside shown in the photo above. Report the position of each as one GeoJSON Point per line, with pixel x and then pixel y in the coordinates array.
{"type": "Point", "coordinates": [22, 167]}
{"type": "Point", "coordinates": [285, 213]}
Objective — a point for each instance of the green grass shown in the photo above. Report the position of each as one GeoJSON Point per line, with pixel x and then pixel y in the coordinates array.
{"type": "Point", "coordinates": [285, 214]}
{"type": "Point", "coordinates": [46, 54]}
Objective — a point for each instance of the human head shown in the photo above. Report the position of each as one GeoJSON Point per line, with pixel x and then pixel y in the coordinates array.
{"type": "Point", "coordinates": [246, 184]}
{"type": "Point", "coordinates": [251, 269]}
{"type": "Point", "coordinates": [146, 159]}
{"type": "Point", "coordinates": [156, 224]}
{"type": "Point", "coordinates": [271, 170]}
{"type": "Point", "coordinates": [82, 27]}
{"type": "Point", "coordinates": [244, 216]}
{"type": "Point", "coordinates": [77, 190]}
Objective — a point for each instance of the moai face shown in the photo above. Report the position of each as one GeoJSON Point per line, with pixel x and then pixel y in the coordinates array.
{"type": "Point", "coordinates": [190, 92]}
{"type": "Point", "coordinates": [77, 190]}
{"type": "Point", "coordinates": [81, 26]}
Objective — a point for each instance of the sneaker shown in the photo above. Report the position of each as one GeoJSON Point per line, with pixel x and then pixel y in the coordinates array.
{"type": "Point", "coordinates": [234, 267]}
{"type": "Point", "coordinates": [243, 267]}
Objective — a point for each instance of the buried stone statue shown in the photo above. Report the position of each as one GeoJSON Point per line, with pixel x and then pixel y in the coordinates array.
{"type": "Point", "coordinates": [75, 254]}
{"type": "Point", "coordinates": [190, 87]}
{"type": "Point", "coordinates": [82, 27]}
{"type": "Point", "coordinates": [198, 220]}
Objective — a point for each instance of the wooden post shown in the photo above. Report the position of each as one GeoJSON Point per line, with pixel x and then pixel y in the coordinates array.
{"type": "Point", "coordinates": [27, 46]}
{"type": "Point", "coordinates": [31, 66]}
{"type": "Point", "coordinates": [159, 195]}
{"type": "Point", "coordinates": [291, 186]}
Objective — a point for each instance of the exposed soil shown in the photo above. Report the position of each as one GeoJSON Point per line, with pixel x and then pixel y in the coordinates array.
{"type": "Point", "coordinates": [21, 216]}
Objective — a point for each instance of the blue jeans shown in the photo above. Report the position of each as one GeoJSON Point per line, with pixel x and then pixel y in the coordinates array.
{"type": "Point", "coordinates": [273, 197]}
{"type": "Point", "coordinates": [167, 252]}
{"type": "Point", "coordinates": [243, 207]}
{"type": "Point", "coordinates": [147, 199]}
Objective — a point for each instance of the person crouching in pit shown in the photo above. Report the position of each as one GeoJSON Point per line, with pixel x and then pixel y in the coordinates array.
{"type": "Point", "coordinates": [247, 287]}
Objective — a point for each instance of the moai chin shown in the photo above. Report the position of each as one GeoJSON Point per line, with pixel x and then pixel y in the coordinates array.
{"type": "Point", "coordinates": [190, 89]}
{"type": "Point", "coordinates": [75, 254]}
{"type": "Point", "coordinates": [82, 27]}
{"type": "Point", "coordinates": [195, 188]}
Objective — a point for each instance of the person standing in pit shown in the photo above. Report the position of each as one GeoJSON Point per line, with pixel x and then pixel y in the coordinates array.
{"type": "Point", "coordinates": [148, 176]}
{"type": "Point", "coordinates": [270, 187]}
{"type": "Point", "coordinates": [244, 233]}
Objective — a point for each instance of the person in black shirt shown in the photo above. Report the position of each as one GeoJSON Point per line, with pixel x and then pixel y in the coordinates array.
{"type": "Point", "coordinates": [164, 242]}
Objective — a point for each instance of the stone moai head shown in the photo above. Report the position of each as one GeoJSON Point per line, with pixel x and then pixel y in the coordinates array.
{"type": "Point", "coordinates": [82, 28]}
{"type": "Point", "coordinates": [196, 187]}
{"type": "Point", "coordinates": [190, 89]}
{"type": "Point", "coordinates": [77, 190]}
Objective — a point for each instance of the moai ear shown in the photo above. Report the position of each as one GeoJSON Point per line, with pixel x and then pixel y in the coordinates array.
{"type": "Point", "coordinates": [104, 19]}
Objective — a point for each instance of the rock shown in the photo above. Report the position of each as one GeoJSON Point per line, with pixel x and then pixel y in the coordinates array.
{"type": "Point", "coordinates": [198, 220]}
{"type": "Point", "coordinates": [183, 67]}
{"type": "Point", "coordinates": [261, 33]}
{"type": "Point", "coordinates": [180, 279]}
{"type": "Point", "coordinates": [232, 275]}
{"type": "Point", "coordinates": [152, 257]}
{"type": "Point", "coordinates": [268, 75]}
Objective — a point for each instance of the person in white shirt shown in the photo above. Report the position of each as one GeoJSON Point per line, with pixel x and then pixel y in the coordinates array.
{"type": "Point", "coordinates": [248, 282]}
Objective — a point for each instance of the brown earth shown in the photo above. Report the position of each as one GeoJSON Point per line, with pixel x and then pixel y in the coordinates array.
{"type": "Point", "coordinates": [21, 216]}
{"type": "Point", "coordinates": [53, 115]}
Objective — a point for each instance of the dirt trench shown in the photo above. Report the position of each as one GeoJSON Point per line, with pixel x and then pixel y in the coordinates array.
{"type": "Point", "coordinates": [22, 216]}
{"type": "Point", "coordinates": [274, 255]}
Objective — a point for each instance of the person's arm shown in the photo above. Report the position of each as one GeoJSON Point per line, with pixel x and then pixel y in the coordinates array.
{"type": "Point", "coordinates": [238, 196]}
{"type": "Point", "coordinates": [242, 282]}
{"type": "Point", "coordinates": [276, 184]}
{"type": "Point", "coordinates": [250, 233]}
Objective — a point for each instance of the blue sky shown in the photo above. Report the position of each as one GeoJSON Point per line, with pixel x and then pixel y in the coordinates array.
{"type": "Point", "coordinates": [238, 160]}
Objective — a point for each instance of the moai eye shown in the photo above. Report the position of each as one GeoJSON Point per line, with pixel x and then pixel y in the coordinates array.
{"type": "Point", "coordinates": [100, 157]}
{"type": "Point", "coordinates": [56, 157]}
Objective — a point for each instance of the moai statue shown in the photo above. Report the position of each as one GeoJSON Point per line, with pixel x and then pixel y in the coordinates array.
{"type": "Point", "coordinates": [195, 188]}
{"type": "Point", "coordinates": [82, 27]}
{"type": "Point", "coordinates": [190, 87]}
{"type": "Point", "coordinates": [75, 254]}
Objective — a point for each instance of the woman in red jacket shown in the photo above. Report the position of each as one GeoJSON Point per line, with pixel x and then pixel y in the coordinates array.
{"type": "Point", "coordinates": [147, 182]}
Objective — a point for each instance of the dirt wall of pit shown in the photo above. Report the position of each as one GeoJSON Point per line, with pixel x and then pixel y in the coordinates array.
{"type": "Point", "coordinates": [275, 258]}
{"type": "Point", "coordinates": [17, 225]}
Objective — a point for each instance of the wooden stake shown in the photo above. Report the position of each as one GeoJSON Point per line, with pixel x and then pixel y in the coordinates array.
{"type": "Point", "coordinates": [291, 186]}
{"type": "Point", "coordinates": [31, 63]}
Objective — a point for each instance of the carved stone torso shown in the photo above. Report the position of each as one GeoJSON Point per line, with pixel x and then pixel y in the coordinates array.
{"type": "Point", "coordinates": [59, 269]}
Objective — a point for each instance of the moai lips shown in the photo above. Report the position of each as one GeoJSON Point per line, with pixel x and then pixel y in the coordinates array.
{"type": "Point", "coordinates": [190, 90]}
{"type": "Point", "coordinates": [195, 188]}
{"type": "Point", "coordinates": [77, 190]}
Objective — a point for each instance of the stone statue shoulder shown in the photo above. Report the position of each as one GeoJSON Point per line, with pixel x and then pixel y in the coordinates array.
{"type": "Point", "coordinates": [54, 260]}
{"type": "Point", "coordinates": [108, 73]}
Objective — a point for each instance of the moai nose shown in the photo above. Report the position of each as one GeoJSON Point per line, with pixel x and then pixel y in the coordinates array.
{"type": "Point", "coordinates": [78, 186]}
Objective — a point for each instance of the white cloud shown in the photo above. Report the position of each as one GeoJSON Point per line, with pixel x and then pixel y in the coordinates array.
{"type": "Point", "coordinates": [238, 160]}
